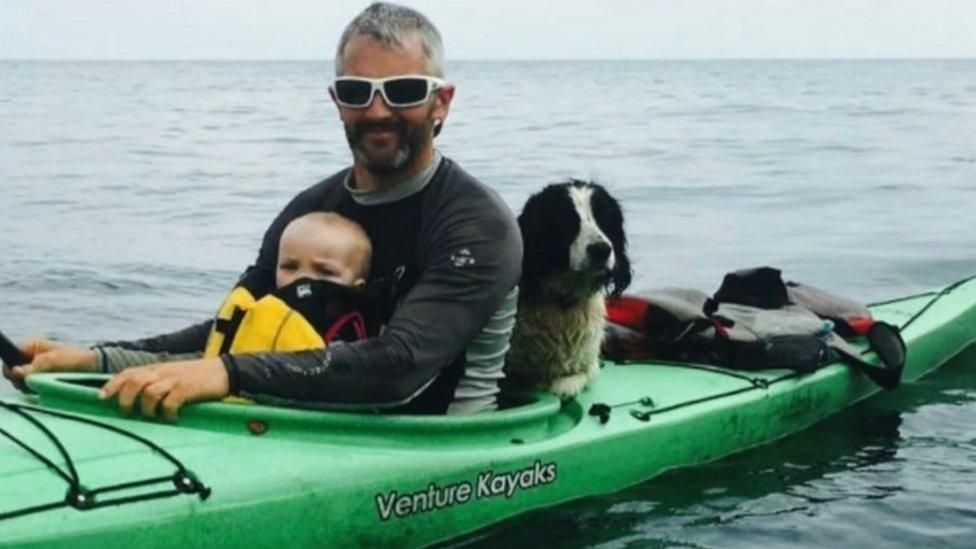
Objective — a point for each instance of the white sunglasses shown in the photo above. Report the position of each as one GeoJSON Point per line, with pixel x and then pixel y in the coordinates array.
{"type": "Point", "coordinates": [408, 90]}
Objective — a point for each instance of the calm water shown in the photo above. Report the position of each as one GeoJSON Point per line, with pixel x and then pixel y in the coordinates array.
{"type": "Point", "coordinates": [132, 194]}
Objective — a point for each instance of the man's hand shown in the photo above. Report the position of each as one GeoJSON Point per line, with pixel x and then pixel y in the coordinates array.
{"type": "Point", "coordinates": [168, 386]}
{"type": "Point", "coordinates": [50, 356]}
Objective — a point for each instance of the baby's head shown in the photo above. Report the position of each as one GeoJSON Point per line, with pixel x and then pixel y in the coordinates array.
{"type": "Point", "coordinates": [324, 246]}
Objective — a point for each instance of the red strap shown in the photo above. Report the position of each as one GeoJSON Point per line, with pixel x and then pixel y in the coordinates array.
{"type": "Point", "coordinates": [358, 326]}
{"type": "Point", "coordinates": [628, 310]}
{"type": "Point", "coordinates": [721, 334]}
{"type": "Point", "coordinates": [860, 324]}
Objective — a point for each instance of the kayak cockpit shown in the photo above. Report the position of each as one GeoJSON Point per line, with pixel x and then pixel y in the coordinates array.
{"type": "Point", "coordinates": [523, 417]}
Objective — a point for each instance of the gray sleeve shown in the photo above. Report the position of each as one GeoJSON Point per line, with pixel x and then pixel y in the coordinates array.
{"type": "Point", "coordinates": [188, 340]}
{"type": "Point", "coordinates": [185, 344]}
{"type": "Point", "coordinates": [484, 366]}
{"type": "Point", "coordinates": [115, 359]}
{"type": "Point", "coordinates": [473, 260]}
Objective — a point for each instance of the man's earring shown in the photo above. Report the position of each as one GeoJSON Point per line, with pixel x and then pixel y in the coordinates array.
{"type": "Point", "coordinates": [438, 124]}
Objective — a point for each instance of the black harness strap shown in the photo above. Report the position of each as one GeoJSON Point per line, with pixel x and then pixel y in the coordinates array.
{"type": "Point", "coordinates": [228, 328]}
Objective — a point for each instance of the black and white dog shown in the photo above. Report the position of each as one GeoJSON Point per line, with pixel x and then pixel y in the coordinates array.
{"type": "Point", "coordinates": [575, 254]}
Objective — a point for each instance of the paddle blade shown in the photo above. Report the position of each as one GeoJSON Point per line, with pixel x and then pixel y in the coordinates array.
{"type": "Point", "coordinates": [10, 354]}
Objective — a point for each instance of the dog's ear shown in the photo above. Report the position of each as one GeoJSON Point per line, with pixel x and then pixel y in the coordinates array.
{"type": "Point", "coordinates": [610, 218]}
{"type": "Point", "coordinates": [622, 273]}
{"type": "Point", "coordinates": [548, 224]}
{"type": "Point", "coordinates": [532, 224]}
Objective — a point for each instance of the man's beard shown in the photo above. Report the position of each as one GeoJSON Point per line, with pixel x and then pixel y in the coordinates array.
{"type": "Point", "coordinates": [411, 141]}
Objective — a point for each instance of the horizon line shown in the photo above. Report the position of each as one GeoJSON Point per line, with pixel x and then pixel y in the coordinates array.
{"type": "Point", "coordinates": [489, 60]}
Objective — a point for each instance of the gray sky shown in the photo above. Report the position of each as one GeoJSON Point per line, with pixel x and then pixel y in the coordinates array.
{"type": "Point", "coordinates": [503, 29]}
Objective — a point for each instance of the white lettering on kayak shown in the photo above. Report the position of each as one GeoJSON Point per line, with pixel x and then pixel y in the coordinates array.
{"type": "Point", "coordinates": [385, 508]}
{"type": "Point", "coordinates": [487, 485]}
{"type": "Point", "coordinates": [491, 484]}
{"type": "Point", "coordinates": [433, 498]}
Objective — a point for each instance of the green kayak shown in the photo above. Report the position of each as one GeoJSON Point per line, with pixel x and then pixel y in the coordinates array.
{"type": "Point", "coordinates": [73, 473]}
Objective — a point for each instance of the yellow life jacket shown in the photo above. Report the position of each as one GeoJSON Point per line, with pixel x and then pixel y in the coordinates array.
{"type": "Point", "coordinates": [307, 314]}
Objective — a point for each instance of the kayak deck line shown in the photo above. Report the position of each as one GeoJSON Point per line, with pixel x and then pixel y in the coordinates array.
{"type": "Point", "coordinates": [78, 495]}
{"type": "Point", "coordinates": [602, 410]}
{"type": "Point", "coordinates": [938, 295]}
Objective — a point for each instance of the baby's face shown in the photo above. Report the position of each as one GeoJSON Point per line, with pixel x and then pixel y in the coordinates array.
{"type": "Point", "coordinates": [319, 252]}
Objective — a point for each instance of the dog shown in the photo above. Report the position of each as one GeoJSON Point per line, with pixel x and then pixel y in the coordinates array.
{"type": "Point", "coordinates": [575, 254]}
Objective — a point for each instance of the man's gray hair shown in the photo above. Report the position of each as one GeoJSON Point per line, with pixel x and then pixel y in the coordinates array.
{"type": "Point", "coordinates": [391, 24]}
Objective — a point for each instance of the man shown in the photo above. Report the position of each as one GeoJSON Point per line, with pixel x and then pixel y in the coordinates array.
{"type": "Point", "coordinates": [446, 260]}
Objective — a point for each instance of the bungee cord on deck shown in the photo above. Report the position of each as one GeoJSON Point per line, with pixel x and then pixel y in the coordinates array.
{"type": "Point", "coordinates": [78, 495]}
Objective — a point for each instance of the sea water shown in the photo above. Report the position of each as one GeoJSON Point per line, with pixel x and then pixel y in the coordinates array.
{"type": "Point", "coordinates": [132, 194]}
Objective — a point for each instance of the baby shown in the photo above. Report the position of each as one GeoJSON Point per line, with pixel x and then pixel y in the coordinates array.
{"type": "Point", "coordinates": [320, 278]}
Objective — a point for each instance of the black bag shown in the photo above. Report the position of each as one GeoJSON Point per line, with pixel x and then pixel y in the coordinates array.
{"type": "Point", "coordinates": [761, 287]}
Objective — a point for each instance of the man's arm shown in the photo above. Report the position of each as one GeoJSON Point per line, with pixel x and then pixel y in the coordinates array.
{"type": "Point", "coordinates": [473, 261]}
{"type": "Point", "coordinates": [188, 340]}
{"type": "Point", "coordinates": [112, 360]}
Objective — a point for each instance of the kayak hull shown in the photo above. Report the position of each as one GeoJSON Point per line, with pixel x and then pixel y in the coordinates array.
{"type": "Point", "coordinates": [303, 479]}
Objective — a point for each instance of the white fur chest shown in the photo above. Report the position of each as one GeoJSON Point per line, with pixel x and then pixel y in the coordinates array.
{"type": "Point", "coordinates": [550, 343]}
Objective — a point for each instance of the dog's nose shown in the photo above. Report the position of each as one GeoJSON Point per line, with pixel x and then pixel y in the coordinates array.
{"type": "Point", "coordinates": [598, 253]}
